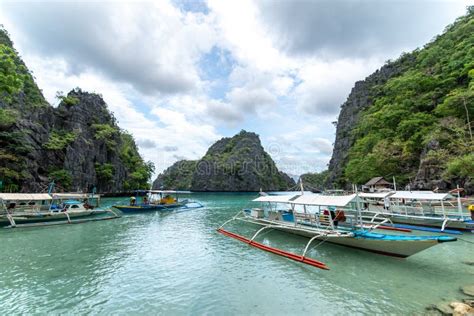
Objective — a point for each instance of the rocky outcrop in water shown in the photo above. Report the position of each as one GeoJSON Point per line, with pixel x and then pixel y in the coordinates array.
{"type": "Point", "coordinates": [236, 163]}
{"type": "Point", "coordinates": [78, 144]}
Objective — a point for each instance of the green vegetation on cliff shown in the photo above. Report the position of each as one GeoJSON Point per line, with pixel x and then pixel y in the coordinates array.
{"type": "Point", "coordinates": [177, 177]}
{"type": "Point", "coordinates": [315, 181]}
{"type": "Point", "coordinates": [15, 78]}
{"type": "Point", "coordinates": [237, 163]}
{"type": "Point", "coordinates": [62, 178]}
{"type": "Point", "coordinates": [78, 144]}
{"type": "Point", "coordinates": [58, 140]}
{"type": "Point", "coordinates": [424, 113]}
{"type": "Point", "coordinates": [139, 171]}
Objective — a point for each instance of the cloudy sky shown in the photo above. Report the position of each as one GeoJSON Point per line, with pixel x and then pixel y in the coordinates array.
{"type": "Point", "coordinates": [180, 75]}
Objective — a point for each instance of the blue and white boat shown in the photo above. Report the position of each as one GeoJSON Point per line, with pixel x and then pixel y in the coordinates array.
{"type": "Point", "coordinates": [331, 219]}
{"type": "Point", "coordinates": [438, 211]}
{"type": "Point", "coordinates": [154, 200]}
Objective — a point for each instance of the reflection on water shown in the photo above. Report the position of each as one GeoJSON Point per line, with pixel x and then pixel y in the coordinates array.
{"type": "Point", "coordinates": [176, 263]}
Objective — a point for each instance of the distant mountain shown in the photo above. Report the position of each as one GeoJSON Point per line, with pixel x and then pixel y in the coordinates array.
{"type": "Point", "coordinates": [237, 163]}
{"type": "Point", "coordinates": [413, 118]}
{"type": "Point", "coordinates": [78, 144]}
{"type": "Point", "coordinates": [314, 181]}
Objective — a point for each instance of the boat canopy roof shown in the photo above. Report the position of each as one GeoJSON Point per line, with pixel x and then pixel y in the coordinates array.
{"type": "Point", "coordinates": [25, 196]}
{"type": "Point", "coordinates": [63, 196]}
{"type": "Point", "coordinates": [325, 200]}
{"type": "Point", "coordinates": [420, 195]}
{"type": "Point", "coordinates": [276, 198]}
{"type": "Point", "coordinates": [375, 195]}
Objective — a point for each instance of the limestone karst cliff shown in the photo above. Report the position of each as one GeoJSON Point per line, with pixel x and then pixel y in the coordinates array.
{"type": "Point", "coordinates": [413, 118]}
{"type": "Point", "coordinates": [237, 163]}
{"type": "Point", "coordinates": [77, 144]}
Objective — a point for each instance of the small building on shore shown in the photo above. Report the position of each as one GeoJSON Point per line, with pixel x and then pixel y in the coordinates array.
{"type": "Point", "coordinates": [377, 184]}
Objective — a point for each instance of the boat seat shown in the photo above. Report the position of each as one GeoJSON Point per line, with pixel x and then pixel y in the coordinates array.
{"type": "Point", "coordinates": [274, 216]}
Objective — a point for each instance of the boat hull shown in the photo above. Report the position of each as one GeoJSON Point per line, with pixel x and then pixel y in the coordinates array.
{"type": "Point", "coordinates": [437, 223]}
{"type": "Point", "coordinates": [395, 246]}
{"type": "Point", "coordinates": [47, 217]}
{"type": "Point", "coordinates": [147, 208]}
{"type": "Point", "coordinates": [400, 249]}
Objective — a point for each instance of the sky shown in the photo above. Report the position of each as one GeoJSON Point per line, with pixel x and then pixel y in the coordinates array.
{"type": "Point", "coordinates": [180, 75]}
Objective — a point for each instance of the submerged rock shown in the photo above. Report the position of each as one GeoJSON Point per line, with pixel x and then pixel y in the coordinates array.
{"type": "Point", "coordinates": [444, 308]}
{"type": "Point", "coordinates": [468, 289]}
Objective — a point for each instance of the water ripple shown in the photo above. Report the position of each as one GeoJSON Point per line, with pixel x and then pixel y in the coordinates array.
{"type": "Point", "coordinates": [176, 263]}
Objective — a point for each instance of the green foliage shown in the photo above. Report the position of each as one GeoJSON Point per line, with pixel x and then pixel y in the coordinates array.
{"type": "Point", "coordinates": [413, 108]}
{"type": "Point", "coordinates": [12, 149]}
{"type": "Point", "coordinates": [457, 103]}
{"type": "Point", "coordinates": [67, 100]}
{"type": "Point", "coordinates": [179, 176]}
{"type": "Point", "coordinates": [462, 166]}
{"type": "Point", "coordinates": [15, 77]}
{"type": "Point", "coordinates": [7, 118]}
{"type": "Point", "coordinates": [61, 177]}
{"type": "Point", "coordinates": [58, 140]}
{"type": "Point", "coordinates": [105, 171]}
{"type": "Point", "coordinates": [11, 79]}
{"type": "Point", "coordinates": [106, 133]}
{"type": "Point", "coordinates": [138, 170]}
{"type": "Point", "coordinates": [315, 180]}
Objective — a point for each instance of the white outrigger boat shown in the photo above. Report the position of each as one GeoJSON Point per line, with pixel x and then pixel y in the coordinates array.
{"type": "Point", "coordinates": [332, 219]}
{"type": "Point", "coordinates": [435, 211]}
{"type": "Point", "coordinates": [40, 209]}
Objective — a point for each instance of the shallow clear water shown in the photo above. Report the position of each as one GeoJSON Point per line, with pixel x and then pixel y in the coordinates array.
{"type": "Point", "coordinates": [176, 263]}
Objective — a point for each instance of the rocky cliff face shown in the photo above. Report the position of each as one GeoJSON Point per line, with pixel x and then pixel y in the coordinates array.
{"type": "Point", "coordinates": [78, 144]}
{"type": "Point", "coordinates": [179, 176]}
{"type": "Point", "coordinates": [238, 163]}
{"type": "Point", "coordinates": [314, 181]}
{"type": "Point", "coordinates": [412, 118]}
{"type": "Point", "coordinates": [361, 97]}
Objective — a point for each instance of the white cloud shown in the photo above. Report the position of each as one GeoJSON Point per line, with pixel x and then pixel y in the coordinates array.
{"type": "Point", "coordinates": [322, 145]}
{"type": "Point", "coordinates": [326, 85]}
{"type": "Point", "coordinates": [151, 45]}
{"type": "Point", "coordinates": [224, 112]}
{"type": "Point", "coordinates": [247, 100]}
{"type": "Point", "coordinates": [157, 136]}
{"type": "Point", "coordinates": [349, 29]}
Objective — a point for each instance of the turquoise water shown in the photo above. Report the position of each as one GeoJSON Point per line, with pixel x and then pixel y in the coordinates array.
{"type": "Point", "coordinates": [176, 263]}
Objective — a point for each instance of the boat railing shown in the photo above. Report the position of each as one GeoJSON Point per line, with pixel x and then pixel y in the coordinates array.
{"type": "Point", "coordinates": [426, 211]}
{"type": "Point", "coordinates": [22, 209]}
{"type": "Point", "coordinates": [325, 221]}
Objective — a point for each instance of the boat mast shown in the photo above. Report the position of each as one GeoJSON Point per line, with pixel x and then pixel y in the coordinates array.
{"type": "Point", "coordinates": [459, 202]}
{"type": "Point", "coordinates": [359, 212]}
{"type": "Point", "coordinates": [302, 193]}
